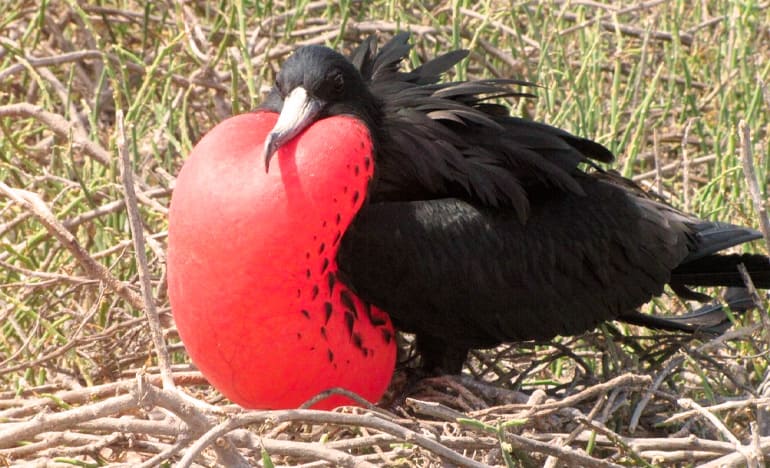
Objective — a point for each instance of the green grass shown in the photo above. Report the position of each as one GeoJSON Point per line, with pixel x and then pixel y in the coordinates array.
{"type": "Point", "coordinates": [624, 78]}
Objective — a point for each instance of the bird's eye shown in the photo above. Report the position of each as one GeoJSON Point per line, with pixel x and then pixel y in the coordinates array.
{"type": "Point", "coordinates": [339, 82]}
{"type": "Point", "coordinates": [334, 82]}
{"type": "Point", "coordinates": [279, 88]}
{"type": "Point", "coordinates": [330, 87]}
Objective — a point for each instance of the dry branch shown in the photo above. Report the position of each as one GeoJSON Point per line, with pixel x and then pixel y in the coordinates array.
{"type": "Point", "coordinates": [60, 126]}
{"type": "Point", "coordinates": [32, 203]}
{"type": "Point", "coordinates": [137, 234]}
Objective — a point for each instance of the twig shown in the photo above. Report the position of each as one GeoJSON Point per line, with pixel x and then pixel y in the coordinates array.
{"type": "Point", "coordinates": [728, 405]}
{"type": "Point", "coordinates": [756, 445]}
{"type": "Point", "coordinates": [18, 432]}
{"type": "Point", "coordinates": [84, 395]}
{"type": "Point", "coordinates": [78, 56]}
{"type": "Point", "coordinates": [311, 450]}
{"type": "Point", "coordinates": [338, 391]}
{"type": "Point", "coordinates": [51, 445]}
{"type": "Point", "coordinates": [749, 171]}
{"type": "Point", "coordinates": [197, 421]}
{"type": "Point", "coordinates": [673, 166]}
{"type": "Point", "coordinates": [639, 409]}
{"type": "Point", "coordinates": [32, 203]}
{"type": "Point", "coordinates": [717, 423]}
{"type": "Point", "coordinates": [164, 362]}
{"type": "Point", "coordinates": [686, 166]}
{"type": "Point", "coordinates": [584, 421]}
{"type": "Point", "coordinates": [568, 455]}
{"type": "Point", "coordinates": [314, 416]}
{"type": "Point", "coordinates": [641, 444]}
{"type": "Point", "coordinates": [656, 159]}
{"type": "Point", "coordinates": [166, 454]}
{"type": "Point", "coordinates": [626, 380]}
{"type": "Point", "coordinates": [616, 440]}
{"type": "Point", "coordinates": [737, 458]}
{"type": "Point", "coordinates": [111, 207]}
{"type": "Point", "coordinates": [744, 133]}
{"type": "Point", "coordinates": [433, 410]}
{"type": "Point", "coordinates": [60, 126]}
{"type": "Point", "coordinates": [684, 38]}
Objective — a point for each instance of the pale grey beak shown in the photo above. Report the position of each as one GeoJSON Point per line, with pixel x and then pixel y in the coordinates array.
{"type": "Point", "coordinates": [299, 111]}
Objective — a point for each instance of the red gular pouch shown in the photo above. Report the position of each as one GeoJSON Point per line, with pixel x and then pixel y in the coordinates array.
{"type": "Point", "coordinates": [252, 270]}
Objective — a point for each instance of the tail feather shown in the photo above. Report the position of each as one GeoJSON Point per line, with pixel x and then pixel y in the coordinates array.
{"type": "Point", "coordinates": [714, 317]}
{"type": "Point", "coordinates": [722, 270]}
{"type": "Point", "coordinates": [713, 237]}
{"type": "Point", "coordinates": [739, 299]}
{"type": "Point", "coordinates": [710, 318]}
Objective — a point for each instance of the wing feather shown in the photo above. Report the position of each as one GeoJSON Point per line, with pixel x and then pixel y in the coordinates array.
{"type": "Point", "coordinates": [493, 279]}
{"type": "Point", "coordinates": [505, 157]}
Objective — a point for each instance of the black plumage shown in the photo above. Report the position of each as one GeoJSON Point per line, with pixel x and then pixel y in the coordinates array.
{"type": "Point", "coordinates": [481, 228]}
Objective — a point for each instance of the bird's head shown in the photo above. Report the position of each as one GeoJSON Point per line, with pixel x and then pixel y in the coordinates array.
{"type": "Point", "coordinates": [315, 82]}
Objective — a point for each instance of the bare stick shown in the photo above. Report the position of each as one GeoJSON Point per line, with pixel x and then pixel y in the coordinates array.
{"type": "Point", "coordinates": [659, 378]}
{"type": "Point", "coordinates": [15, 433]}
{"type": "Point", "coordinates": [728, 405]}
{"type": "Point", "coordinates": [161, 457]}
{"type": "Point", "coordinates": [656, 159]}
{"type": "Point", "coordinates": [626, 380]}
{"type": "Point", "coordinates": [111, 207]}
{"type": "Point", "coordinates": [86, 394]}
{"type": "Point", "coordinates": [143, 394]}
{"type": "Point", "coordinates": [756, 445]}
{"type": "Point", "coordinates": [197, 421]}
{"type": "Point", "coordinates": [671, 167]}
{"type": "Point", "coordinates": [434, 410]}
{"type": "Point", "coordinates": [717, 423]}
{"type": "Point", "coordinates": [60, 126]}
{"type": "Point", "coordinates": [313, 416]}
{"type": "Point", "coordinates": [570, 456]}
{"type": "Point", "coordinates": [684, 38]}
{"type": "Point", "coordinates": [314, 451]}
{"type": "Point", "coordinates": [338, 391]}
{"type": "Point", "coordinates": [132, 208]}
{"type": "Point", "coordinates": [750, 173]}
{"type": "Point", "coordinates": [738, 458]}
{"type": "Point", "coordinates": [686, 165]}
{"type": "Point", "coordinates": [78, 56]}
{"type": "Point", "coordinates": [32, 203]}
{"type": "Point", "coordinates": [751, 179]}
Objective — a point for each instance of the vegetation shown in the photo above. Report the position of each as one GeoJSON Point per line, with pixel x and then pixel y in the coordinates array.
{"type": "Point", "coordinates": [662, 84]}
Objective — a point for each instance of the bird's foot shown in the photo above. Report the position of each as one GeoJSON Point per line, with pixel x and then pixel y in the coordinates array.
{"type": "Point", "coordinates": [460, 392]}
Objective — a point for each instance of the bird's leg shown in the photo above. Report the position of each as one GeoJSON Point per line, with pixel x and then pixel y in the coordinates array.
{"type": "Point", "coordinates": [440, 357]}
{"type": "Point", "coordinates": [436, 359]}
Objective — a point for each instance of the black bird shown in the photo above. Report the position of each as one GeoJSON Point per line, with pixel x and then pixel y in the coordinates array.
{"type": "Point", "coordinates": [481, 228]}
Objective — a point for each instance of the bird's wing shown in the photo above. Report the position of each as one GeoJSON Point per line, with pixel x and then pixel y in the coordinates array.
{"type": "Point", "coordinates": [477, 276]}
{"type": "Point", "coordinates": [452, 140]}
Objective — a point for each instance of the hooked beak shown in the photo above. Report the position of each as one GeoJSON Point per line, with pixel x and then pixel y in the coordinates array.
{"type": "Point", "coordinates": [299, 110]}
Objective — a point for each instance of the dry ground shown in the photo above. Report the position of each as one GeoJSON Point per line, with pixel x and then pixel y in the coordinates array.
{"type": "Point", "coordinates": [664, 84]}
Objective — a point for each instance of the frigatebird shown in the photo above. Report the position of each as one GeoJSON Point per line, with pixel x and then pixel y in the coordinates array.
{"type": "Point", "coordinates": [481, 228]}
{"type": "Point", "coordinates": [360, 196]}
